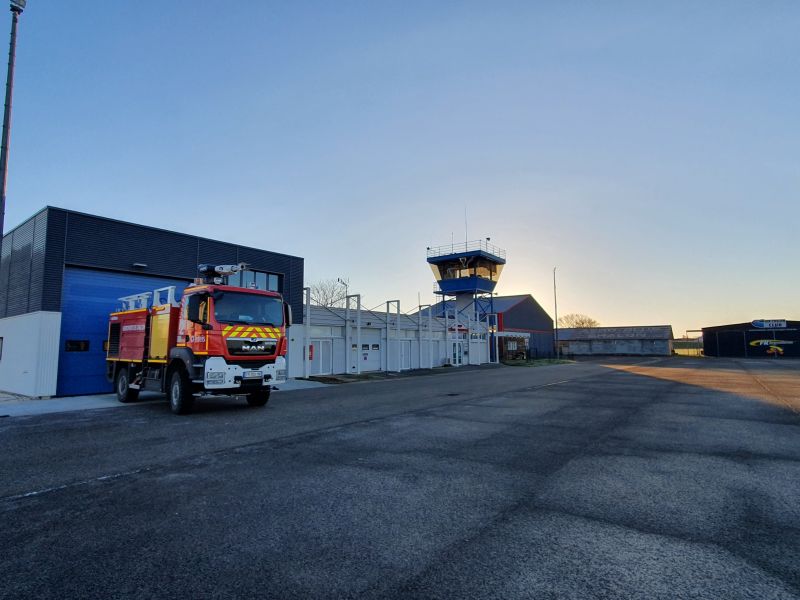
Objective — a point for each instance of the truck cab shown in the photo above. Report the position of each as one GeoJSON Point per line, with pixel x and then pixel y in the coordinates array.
{"type": "Point", "coordinates": [236, 334]}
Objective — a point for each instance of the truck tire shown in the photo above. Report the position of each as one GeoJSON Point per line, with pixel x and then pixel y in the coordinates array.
{"type": "Point", "coordinates": [259, 398]}
{"type": "Point", "coordinates": [180, 393]}
{"type": "Point", "coordinates": [122, 385]}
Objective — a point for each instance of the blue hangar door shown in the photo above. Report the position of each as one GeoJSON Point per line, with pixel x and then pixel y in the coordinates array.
{"type": "Point", "coordinates": [87, 298]}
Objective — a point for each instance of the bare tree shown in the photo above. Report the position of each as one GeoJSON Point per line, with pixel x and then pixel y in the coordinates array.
{"type": "Point", "coordinates": [577, 320]}
{"type": "Point", "coordinates": [329, 292]}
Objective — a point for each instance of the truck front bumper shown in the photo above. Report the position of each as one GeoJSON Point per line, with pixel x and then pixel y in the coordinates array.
{"type": "Point", "coordinates": [220, 376]}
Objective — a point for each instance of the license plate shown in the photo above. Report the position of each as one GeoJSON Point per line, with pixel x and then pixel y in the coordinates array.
{"type": "Point", "coordinates": [252, 374]}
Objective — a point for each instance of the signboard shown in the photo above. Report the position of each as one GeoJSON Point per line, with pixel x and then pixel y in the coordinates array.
{"type": "Point", "coordinates": [770, 324]}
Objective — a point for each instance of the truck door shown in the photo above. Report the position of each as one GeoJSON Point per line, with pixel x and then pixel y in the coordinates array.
{"type": "Point", "coordinates": [191, 333]}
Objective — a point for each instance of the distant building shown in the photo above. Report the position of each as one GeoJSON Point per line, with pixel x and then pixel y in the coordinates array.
{"type": "Point", "coordinates": [758, 339]}
{"type": "Point", "coordinates": [654, 340]}
{"type": "Point", "coordinates": [687, 346]}
{"type": "Point", "coordinates": [523, 327]}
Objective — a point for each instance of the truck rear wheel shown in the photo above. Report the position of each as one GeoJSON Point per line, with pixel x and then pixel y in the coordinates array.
{"type": "Point", "coordinates": [122, 385]}
{"type": "Point", "coordinates": [259, 398]}
{"type": "Point", "coordinates": [180, 393]}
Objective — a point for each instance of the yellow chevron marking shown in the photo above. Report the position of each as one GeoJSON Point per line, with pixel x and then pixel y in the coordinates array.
{"type": "Point", "coordinates": [237, 331]}
{"type": "Point", "coordinates": [227, 329]}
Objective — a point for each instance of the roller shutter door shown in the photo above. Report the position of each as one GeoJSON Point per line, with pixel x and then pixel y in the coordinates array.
{"type": "Point", "coordinates": [87, 298]}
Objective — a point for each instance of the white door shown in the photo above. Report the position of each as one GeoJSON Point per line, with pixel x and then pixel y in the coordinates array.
{"type": "Point", "coordinates": [457, 354]}
{"type": "Point", "coordinates": [322, 361]}
{"type": "Point", "coordinates": [405, 354]}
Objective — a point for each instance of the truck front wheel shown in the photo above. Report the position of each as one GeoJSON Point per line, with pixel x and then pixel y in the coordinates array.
{"type": "Point", "coordinates": [259, 398]}
{"type": "Point", "coordinates": [180, 393]}
{"type": "Point", "coordinates": [122, 385]}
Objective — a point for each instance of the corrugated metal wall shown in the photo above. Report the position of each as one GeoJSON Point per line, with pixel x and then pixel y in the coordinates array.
{"type": "Point", "coordinates": [22, 268]}
{"type": "Point", "coordinates": [623, 347]}
{"type": "Point", "coordinates": [528, 316]}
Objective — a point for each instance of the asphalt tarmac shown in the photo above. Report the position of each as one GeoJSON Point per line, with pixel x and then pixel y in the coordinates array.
{"type": "Point", "coordinates": [673, 478]}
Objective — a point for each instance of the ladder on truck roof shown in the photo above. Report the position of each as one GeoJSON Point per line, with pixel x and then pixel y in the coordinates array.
{"type": "Point", "coordinates": [160, 296]}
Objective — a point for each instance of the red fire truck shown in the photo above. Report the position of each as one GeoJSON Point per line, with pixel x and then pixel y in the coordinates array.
{"type": "Point", "coordinates": [218, 339]}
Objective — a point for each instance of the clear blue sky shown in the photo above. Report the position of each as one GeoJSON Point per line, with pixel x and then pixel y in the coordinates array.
{"type": "Point", "coordinates": [651, 150]}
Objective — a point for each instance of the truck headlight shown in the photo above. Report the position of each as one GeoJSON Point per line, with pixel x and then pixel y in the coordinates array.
{"type": "Point", "coordinates": [215, 377]}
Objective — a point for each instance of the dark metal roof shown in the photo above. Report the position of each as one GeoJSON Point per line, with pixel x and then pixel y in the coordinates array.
{"type": "Point", "coordinates": [499, 304]}
{"type": "Point", "coordinates": [748, 327]}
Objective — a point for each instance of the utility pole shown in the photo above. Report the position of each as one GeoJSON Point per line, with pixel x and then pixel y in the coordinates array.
{"type": "Point", "coordinates": [17, 6]}
{"type": "Point", "coordinates": [555, 305]}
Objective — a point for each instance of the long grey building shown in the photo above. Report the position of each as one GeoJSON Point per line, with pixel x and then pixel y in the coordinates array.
{"type": "Point", "coordinates": [653, 340]}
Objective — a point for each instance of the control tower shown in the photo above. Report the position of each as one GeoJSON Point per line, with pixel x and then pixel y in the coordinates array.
{"type": "Point", "coordinates": [467, 273]}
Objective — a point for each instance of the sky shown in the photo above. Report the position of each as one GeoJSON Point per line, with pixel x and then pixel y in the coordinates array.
{"type": "Point", "coordinates": [648, 150]}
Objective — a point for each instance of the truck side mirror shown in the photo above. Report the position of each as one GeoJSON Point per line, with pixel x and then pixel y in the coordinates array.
{"type": "Point", "coordinates": [193, 308]}
{"type": "Point", "coordinates": [287, 314]}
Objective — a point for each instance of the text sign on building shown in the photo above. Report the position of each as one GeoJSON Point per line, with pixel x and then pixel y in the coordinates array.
{"type": "Point", "coordinates": [770, 324]}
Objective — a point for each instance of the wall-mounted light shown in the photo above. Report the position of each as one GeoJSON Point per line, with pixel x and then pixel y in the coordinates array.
{"type": "Point", "coordinates": [139, 265]}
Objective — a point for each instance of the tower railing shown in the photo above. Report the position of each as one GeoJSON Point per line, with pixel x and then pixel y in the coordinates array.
{"type": "Point", "coordinates": [476, 245]}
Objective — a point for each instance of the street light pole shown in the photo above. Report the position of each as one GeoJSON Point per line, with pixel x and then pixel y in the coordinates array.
{"type": "Point", "coordinates": [345, 283]}
{"type": "Point", "coordinates": [555, 305]}
{"type": "Point", "coordinates": [17, 6]}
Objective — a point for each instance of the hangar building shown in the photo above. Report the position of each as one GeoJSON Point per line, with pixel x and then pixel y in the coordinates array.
{"type": "Point", "coordinates": [653, 340]}
{"type": "Point", "coordinates": [523, 327]}
{"type": "Point", "coordinates": [762, 338]}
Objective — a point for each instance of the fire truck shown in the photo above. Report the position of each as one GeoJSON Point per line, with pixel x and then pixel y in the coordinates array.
{"type": "Point", "coordinates": [218, 339]}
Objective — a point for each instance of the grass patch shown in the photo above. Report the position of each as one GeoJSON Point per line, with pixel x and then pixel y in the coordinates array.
{"type": "Point", "coordinates": [540, 362]}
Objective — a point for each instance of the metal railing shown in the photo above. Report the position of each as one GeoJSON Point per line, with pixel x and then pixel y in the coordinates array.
{"type": "Point", "coordinates": [467, 247]}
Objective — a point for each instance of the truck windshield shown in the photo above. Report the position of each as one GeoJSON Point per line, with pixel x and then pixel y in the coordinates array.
{"type": "Point", "coordinates": [253, 309]}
